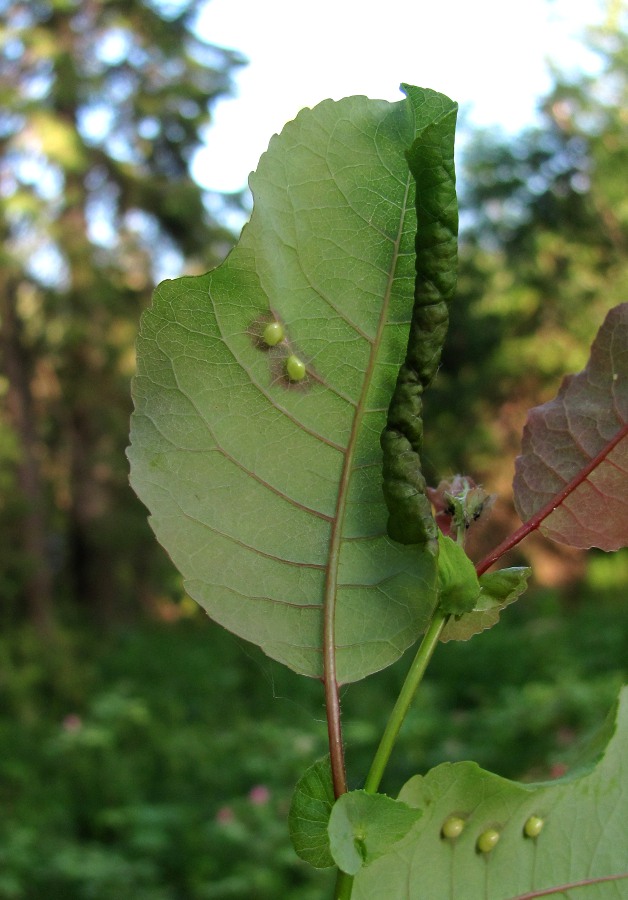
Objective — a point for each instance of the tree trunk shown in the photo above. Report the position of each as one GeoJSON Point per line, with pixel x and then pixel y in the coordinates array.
{"type": "Point", "coordinates": [17, 367]}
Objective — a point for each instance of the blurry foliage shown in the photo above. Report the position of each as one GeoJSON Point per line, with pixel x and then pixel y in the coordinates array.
{"type": "Point", "coordinates": [543, 257]}
{"type": "Point", "coordinates": [159, 763]}
{"type": "Point", "coordinates": [103, 106]}
{"type": "Point", "coordinates": [120, 779]}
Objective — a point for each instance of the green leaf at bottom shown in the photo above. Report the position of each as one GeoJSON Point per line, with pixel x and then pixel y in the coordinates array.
{"type": "Point", "coordinates": [581, 852]}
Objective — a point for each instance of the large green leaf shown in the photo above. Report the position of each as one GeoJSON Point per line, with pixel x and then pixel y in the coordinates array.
{"type": "Point", "coordinates": [566, 838]}
{"type": "Point", "coordinates": [266, 491]}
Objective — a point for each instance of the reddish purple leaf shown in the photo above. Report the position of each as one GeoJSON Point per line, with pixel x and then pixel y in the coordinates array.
{"type": "Point", "coordinates": [572, 474]}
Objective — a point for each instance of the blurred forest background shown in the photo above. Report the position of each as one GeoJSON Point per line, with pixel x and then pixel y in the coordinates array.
{"type": "Point", "coordinates": [143, 752]}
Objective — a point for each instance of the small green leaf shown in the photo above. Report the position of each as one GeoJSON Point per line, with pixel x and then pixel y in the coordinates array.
{"type": "Point", "coordinates": [458, 584]}
{"type": "Point", "coordinates": [364, 826]}
{"type": "Point", "coordinates": [497, 590]}
{"type": "Point", "coordinates": [311, 806]}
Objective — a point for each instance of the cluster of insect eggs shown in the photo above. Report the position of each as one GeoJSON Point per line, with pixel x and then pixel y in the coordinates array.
{"type": "Point", "coordinates": [454, 826]}
{"type": "Point", "coordinates": [274, 333]}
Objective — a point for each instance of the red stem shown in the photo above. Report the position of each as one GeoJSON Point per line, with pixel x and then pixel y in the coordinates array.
{"type": "Point", "coordinates": [330, 680]}
{"type": "Point", "coordinates": [334, 732]}
{"type": "Point", "coordinates": [533, 523]}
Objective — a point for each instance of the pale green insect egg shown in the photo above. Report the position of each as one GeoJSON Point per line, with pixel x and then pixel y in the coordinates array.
{"type": "Point", "coordinates": [533, 826]}
{"type": "Point", "coordinates": [452, 827]}
{"type": "Point", "coordinates": [295, 368]}
{"type": "Point", "coordinates": [488, 840]}
{"type": "Point", "coordinates": [273, 333]}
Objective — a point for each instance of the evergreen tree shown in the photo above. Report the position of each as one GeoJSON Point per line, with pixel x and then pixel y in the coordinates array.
{"type": "Point", "coordinates": [543, 257]}
{"type": "Point", "coordinates": [103, 106]}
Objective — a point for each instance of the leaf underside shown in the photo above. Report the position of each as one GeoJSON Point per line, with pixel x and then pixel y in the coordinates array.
{"type": "Point", "coordinates": [497, 590]}
{"type": "Point", "coordinates": [310, 809]}
{"type": "Point", "coordinates": [265, 491]}
{"type": "Point", "coordinates": [584, 838]}
{"type": "Point", "coordinates": [363, 827]}
{"type": "Point", "coordinates": [581, 438]}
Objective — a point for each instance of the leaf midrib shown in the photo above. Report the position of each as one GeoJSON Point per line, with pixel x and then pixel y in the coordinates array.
{"type": "Point", "coordinates": [331, 577]}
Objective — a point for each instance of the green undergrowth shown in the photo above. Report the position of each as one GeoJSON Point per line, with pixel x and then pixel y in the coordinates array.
{"type": "Point", "coordinates": [158, 762]}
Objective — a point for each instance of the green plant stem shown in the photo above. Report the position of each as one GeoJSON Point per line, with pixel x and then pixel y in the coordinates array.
{"type": "Point", "coordinates": [344, 882]}
{"type": "Point", "coordinates": [344, 886]}
{"type": "Point", "coordinates": [413, 679]}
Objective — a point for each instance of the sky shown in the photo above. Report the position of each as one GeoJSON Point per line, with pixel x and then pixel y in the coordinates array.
{"type": "Point", "coordinates": [489, 55]}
